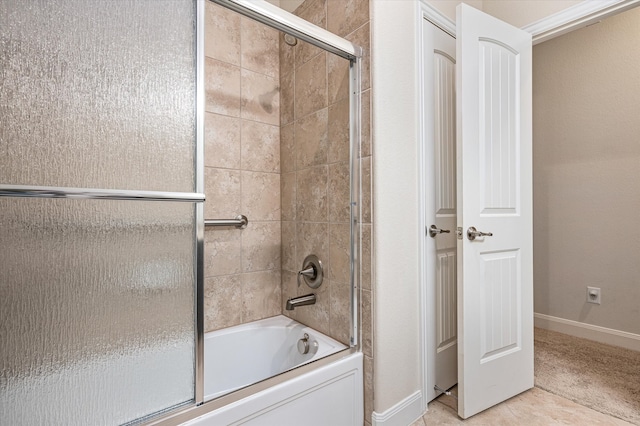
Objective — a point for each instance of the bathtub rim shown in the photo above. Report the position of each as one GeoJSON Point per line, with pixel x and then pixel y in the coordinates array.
{"type": "Point", "coordinates": [206, 407]}
{"type": "Point", "coordinates": [279, 321]}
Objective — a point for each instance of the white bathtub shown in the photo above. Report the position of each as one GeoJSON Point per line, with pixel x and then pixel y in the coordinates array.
{"type": "Point", "coordinates": [239, 356]}
{"type": "Point", "coordinates": [327, 392]}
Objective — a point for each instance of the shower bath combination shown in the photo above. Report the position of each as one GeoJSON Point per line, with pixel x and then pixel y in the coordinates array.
{"type": "Point", "coordinates": [110, 283]}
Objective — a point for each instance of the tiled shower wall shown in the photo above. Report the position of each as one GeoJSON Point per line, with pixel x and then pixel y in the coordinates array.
{"type": "Point", "coordinates": [315, 176]}
{"type": "Point", "coordinates": [315, 173]}
{"type": "Point", "coordinates": [242, 169]}
{"type": "Point", "coordinates": [244, 91]}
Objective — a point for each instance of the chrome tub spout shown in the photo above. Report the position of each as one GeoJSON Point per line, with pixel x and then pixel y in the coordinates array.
{"type": "Point", "coordinates": [307, 299]}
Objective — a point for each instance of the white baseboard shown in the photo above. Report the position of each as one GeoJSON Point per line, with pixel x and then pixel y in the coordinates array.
{"type": "Point", "coordinates": [588, 331]}
{"type": "Point", "coordinates": [403, 413]}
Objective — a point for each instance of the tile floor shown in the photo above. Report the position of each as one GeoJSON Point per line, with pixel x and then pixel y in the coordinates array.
{"type": "Point", "coordinates": [531, 408]}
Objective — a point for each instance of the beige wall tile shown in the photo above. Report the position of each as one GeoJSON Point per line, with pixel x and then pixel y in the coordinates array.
{"type": "Point", "coordinates": [311, 86]}
{"type": "Point", "coordinates": [222, 34]}
{"type": "Point", "coordinates": [287, 97]}
{"type": "Point", "coordinates": [343, 17]}
{"type": "Point", "coordinates": [261, 248]}
{"type": "Point", "coordinates": [313, 238]}
{"type": "Point", "coordinates": [339, 131]}
{"type": "Point", "coordinates": [314, 12]}
{"type": "Point", "coordinates": [365, 144]}
{"type": "Point", "coordinates": [261, 196]}
{"type": "Point", "coordinates": [287, 55]}
{"type": "Point", "coordinates": [222, 88]}
{"type": "Point", "coordinates": [311, 194]}
{"type": "Point", "coordinates": [261, 295]}
{"type": "Point", "coordinates": [289, 289]}
{"type": "Point", "coordinates": [340, 314]}
{"type": "Point", "coordinates": [289, 240]}
{"type": "Point", "coordinates": [302, 6]}
{"type": "Point", "coordinates": [222, 191]}
{"type": "Point", "coordinates": [260, 147]}
{"type": "Point", "coordinates": [339, 239]}
{"type": "Point", "coordinates": [222, 299]}
{"type": "Point", "coordinates": [367, 332]}
{"type": "Point", "coordinates": [221, 141]}
{"type": "Point", "coordinates": [369, 395]}
{"type": "Point", "coordinates": [260, 48]}
{"type": "Point", "coordinates": [311, 136]}
{"type": "Point", "coordinates": [365, 165]}
{"type": "Point", "coordinates": [317, 315]}
{"type": "Point", "coordinates": [222, 252]}
{"type": "Point", "coordinates": [287, 148]}
{"type": "Point", "coordinates": [260, 98]}
{"type": "Point", "coordinates": [338, 78]}
{"type": "Point", "coordinates": [339, 197]}
{"type": "Point", "coordinates": [365, 270]}
{"type": "Point", "coordinates": [288, 195]}
{"type": "Point", "coordinates": [305, 52]}
{"type": "Point", "coordinates": [361, 37]}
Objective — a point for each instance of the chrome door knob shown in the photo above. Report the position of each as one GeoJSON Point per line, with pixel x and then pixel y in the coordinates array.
{"type": "Point", "coordinates": [473, 233]}
{"type": "Point", "coordinates": [434, 230]}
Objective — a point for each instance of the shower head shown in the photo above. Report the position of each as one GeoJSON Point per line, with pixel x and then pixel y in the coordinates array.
{"type": "Point", "coordinates": [290, 40]}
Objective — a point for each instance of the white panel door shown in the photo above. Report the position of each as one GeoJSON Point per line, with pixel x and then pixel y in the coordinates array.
{"type": "Point", "coordinates": [440, 172]}
{"type": "Point", "coordinates": [495, 273]}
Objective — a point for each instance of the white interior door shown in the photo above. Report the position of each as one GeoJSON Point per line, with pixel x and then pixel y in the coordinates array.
{"type": "Point", "coordinates": [495, 273]}
{"type": "Point", "coordinates": [440, 172]}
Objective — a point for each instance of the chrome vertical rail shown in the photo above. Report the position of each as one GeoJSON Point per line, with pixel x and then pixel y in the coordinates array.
{"type": "Point", "coordinates": [355, 197]}
{"type": "Point", "coordinates": [199, 184]}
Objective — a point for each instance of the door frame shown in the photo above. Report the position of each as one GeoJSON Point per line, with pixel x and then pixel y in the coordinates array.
{"type": "Point", "coordinates": [433, 16]}
{"type": "Point", "coordinates": [567, 20]}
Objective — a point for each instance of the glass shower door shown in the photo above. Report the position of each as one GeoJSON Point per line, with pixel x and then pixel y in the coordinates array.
{"type": "Point", "coordinates": [99, 210]}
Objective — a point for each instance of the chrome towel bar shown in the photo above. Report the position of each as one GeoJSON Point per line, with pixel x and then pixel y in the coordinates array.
{"type": "Point", "coordinates": [31, 191]}
{"type": "Point", "coordinates": [240, 221]}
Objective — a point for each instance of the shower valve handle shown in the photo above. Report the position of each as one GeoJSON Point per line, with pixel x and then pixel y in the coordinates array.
{"type": "Point", "coordinates": [311, 272]}
{"type": "Point", "coordinates": [307, 272]}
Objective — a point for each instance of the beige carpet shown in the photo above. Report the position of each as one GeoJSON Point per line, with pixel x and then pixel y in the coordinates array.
{"type": "Point", "coordinates": [602, 377]}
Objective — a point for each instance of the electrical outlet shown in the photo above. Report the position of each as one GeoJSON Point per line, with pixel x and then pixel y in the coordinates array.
{"type": "Point", "coordinates": [593, 295]}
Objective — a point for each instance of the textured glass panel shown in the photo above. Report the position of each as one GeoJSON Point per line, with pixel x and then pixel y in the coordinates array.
{"type": "Point", "coordinates": [98, 94]}
{"type": "Point", "coordinates": [96, 310]}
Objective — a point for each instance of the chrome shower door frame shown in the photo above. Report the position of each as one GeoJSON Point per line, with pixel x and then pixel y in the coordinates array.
{"type": "Point", "coordinates": [281, 20]}
{"type": "Point", "coordinates": [288, 23]}
{"type": "Point", "coordinates": [197, 198]}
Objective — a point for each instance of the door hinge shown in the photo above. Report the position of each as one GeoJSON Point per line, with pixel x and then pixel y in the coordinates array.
{"type": "Point", "coordinates": [459, 232]}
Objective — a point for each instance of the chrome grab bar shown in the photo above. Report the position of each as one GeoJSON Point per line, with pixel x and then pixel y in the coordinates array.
{"type": "Point", "coordinates": [240, 222]}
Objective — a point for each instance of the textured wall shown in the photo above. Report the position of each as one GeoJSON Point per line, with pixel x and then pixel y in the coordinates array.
{"type": "Point", "coordinates": [242, 169]}
{"type": "Point", "coordinates": [524, 12]}
{"type": "Point", "coordinates": [517, 13]}
{"type": "Point", "coordinates": [586, 161]}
